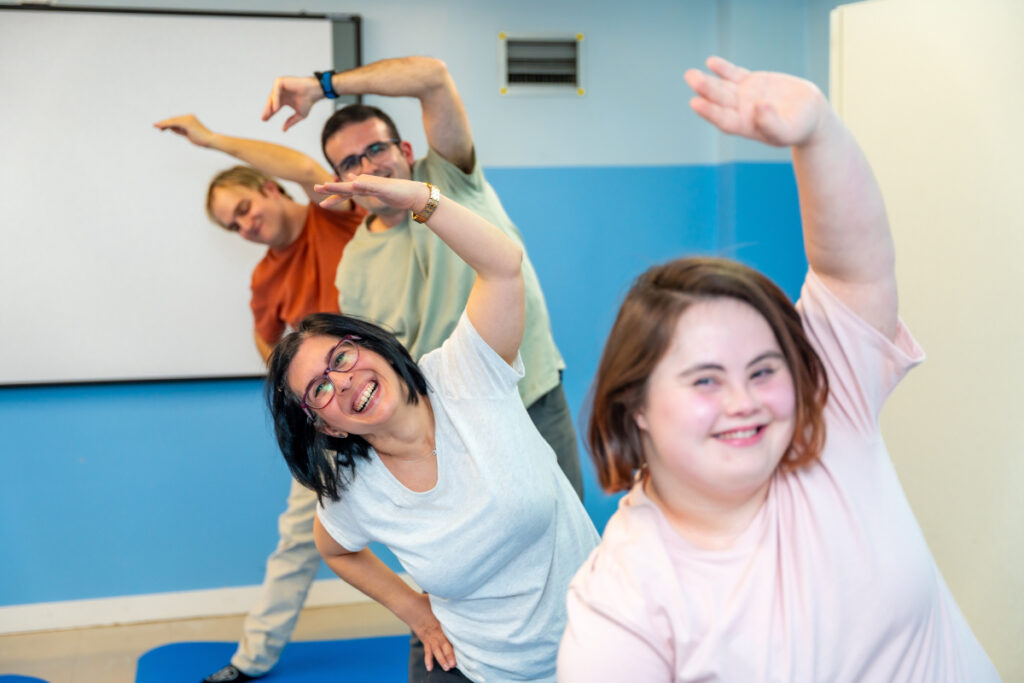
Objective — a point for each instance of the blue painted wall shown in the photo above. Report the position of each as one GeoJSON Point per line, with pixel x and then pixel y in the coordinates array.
{"type": "Point", "coordinates": [145, 488]}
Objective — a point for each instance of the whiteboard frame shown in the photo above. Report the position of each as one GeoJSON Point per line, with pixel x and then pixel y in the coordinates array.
{"type": "Point", "coordinates": [345, 54]}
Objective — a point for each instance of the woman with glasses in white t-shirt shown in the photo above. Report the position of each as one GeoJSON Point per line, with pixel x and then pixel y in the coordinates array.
{"type": "Point", "coordinates": [438, 461]}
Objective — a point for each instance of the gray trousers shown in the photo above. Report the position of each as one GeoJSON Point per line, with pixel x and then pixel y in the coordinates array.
{"type": "Point", "coordinates": [293, 565]}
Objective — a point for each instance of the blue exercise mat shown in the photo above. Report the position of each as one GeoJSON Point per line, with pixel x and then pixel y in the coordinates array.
{"type": "Point", "coordinates": [360, 660]}
{"type": "Point", "coordinates": [15, 678]}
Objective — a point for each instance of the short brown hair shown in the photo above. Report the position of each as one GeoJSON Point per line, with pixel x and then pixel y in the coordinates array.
{"type": "Point", "coordinates": [641, 335]}
{"type": "Point", "coordinates": [353, 113]}
{"type": "Point", "coordinates": [238, 176]}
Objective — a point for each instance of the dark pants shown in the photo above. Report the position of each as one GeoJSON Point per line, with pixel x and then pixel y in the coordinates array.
{"type": "Point", "coordinates": [551, 416]}
{"type": "Point", "coordinates": [418, 672]}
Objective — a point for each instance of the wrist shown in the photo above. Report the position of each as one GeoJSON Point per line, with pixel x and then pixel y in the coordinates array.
{"type": "Point", "coordinates": [409, 608]}
{"type": "Point", "coordinates": [827, 132]}
{"type": "Point", "coordinates": [216, 141]}
{"type": "Point", "coordinates": [429, 206]}
{"type": "Point", "coordinates": [325, 80]}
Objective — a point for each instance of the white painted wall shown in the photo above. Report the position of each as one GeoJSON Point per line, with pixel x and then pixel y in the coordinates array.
{"type": "Point", "coordinates": [933, 92]}
{"type": "Point", "coordinates": [635, 111]}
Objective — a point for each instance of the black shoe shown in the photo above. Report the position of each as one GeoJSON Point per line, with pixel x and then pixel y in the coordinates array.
{"type": "Point", "coordinates": [228, 673]}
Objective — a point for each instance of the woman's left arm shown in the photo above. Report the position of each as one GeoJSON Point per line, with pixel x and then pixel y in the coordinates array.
{"type": "Point", "coordinates": [846, 231]}
{"type": "Point", "coordinates": [497, 301]}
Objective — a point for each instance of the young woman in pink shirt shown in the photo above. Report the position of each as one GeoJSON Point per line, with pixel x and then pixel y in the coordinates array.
{"type": "Point", "coordinates": [765, 535]}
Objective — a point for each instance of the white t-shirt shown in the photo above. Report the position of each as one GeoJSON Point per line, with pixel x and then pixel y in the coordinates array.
{"type": "Point", "coordinates": [832, 581]}
{"type": "Point", "coordinates": [497, 540]}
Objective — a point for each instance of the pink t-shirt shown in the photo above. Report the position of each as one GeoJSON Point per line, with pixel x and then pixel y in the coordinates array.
{"type": "Point", "coordinates": [832, 581]}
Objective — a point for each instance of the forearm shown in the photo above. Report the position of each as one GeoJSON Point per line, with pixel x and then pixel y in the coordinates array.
{"type": "Point", "coordinates": [272, 159]}
{"type": "Point", "coordinates": [487, 250]}
{"type": "Point", "coordinates": [364, 571]}
{"type": "Point", "coordinates": [497, 302]}
{"type": "Point", "coordinates": [401, 77]}
{"type": "Point", "coordinates": [427, 79]}
{"type": "Point", "coordinates": [846, 231]}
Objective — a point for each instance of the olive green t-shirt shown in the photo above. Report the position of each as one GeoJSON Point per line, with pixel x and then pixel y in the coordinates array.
{"type": "Point", "coordinates": [408, 281]}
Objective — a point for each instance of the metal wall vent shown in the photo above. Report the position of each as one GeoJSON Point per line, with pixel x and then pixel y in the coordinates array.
{"type": "Point", "coordinates": [540, 64]}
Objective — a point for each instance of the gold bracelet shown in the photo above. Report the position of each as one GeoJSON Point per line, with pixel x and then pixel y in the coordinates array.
{"type": "Point", "coordinates": [428, 210]}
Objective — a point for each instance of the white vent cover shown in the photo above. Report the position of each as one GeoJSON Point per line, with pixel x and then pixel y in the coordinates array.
{"type": "Point", "coordinates": [540, 64]}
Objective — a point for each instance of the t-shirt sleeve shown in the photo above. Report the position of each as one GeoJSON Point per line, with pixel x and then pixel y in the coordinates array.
{"type": "Point", "coordinates": [449, 177]}
{"type": "Point", "coordinates": [338, 522]}
{"type": "Point", "coordinates": [863, 365]}
{"type": "Point", "coordinates": [466, 367]}
{"type": "Point", "coordinates": [597, 646]}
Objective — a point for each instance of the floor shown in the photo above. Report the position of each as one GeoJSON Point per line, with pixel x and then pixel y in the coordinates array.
{"type": "Point", "coordinates": [109, 654]}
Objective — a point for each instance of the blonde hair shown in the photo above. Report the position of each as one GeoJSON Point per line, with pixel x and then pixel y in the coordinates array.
{"type": "Point", "coordinates": [239, 176]}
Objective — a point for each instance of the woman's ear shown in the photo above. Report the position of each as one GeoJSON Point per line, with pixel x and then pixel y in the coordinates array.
{"type": "Point", "coordinates": [640, 417]}
{"type": "Point", "coordinates": [322, 426]}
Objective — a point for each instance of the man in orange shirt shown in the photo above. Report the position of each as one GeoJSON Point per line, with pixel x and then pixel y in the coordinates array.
{"type": "Point", "coordinates": [305, 242]}
{"type": "Point", "coordinates": [295, 278]}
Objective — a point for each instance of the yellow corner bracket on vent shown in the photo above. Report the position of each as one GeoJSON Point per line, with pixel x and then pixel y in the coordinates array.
{"type": "Point", "coordinates": [540, 64]}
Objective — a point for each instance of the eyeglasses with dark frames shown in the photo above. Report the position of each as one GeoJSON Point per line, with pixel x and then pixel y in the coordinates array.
{"type": "Point", "coordinates": [375, 152]}
{"type": "Point", "coordinates": [321, 390]}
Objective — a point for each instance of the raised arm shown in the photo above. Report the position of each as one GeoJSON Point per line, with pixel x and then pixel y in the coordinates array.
{"type": "Point", "coordinates": [366, 572]}
{"type": "Point", "coordinates": [497, 301]}
{"type": "Point", "coordinates": [846, 231]}
{"type": "Point", "coordinates": [425, 78]}
{"type": "Point", "coordinates": [267, 157]}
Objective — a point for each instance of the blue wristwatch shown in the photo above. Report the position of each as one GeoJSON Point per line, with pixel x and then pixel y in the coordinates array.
{"type": "Point", "coordinates": [325, 83]}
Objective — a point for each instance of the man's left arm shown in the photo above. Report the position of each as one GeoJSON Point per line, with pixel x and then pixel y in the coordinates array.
{"type": "Point", "coordinates": [267, 157]}
{"type": "Point", "coordinates": [427, 79]}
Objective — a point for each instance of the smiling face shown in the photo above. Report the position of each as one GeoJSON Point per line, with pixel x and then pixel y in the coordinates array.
{"type": "Point", "coordinates": [353, 139]}
{"type": "Point", "coordinates": [365, 396]}
{"type": "Point", "coordinates": [258, 217]}
{"type": "Point", "coordinates": [720, 406]}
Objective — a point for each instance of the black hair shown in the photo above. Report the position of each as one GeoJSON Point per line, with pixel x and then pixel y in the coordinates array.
{"type": "Point", "coordinates": [323, 463]}
{"type": "Point", "coordinates": [353, 113]}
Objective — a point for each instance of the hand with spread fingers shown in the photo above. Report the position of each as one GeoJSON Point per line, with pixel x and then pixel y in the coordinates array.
{"type": "Point", "coordinates": [298, 92]}
{"type": "Point", "coordinates": [189, 127]}
{"type": "Point", "coordinates": [396, 192]}
{"type": "Point", "coordinates": [774, 108]}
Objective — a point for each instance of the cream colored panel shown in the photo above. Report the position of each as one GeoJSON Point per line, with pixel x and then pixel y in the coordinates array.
{"type": "Point", "coordinates": [935, 93]}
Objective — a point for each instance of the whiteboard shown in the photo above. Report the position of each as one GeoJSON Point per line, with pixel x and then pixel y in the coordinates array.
{"type": "Point", "coordinates": [109, 268]}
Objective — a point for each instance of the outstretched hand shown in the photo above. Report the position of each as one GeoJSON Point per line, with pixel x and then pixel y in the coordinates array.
{"type": "Point", "coordinates": [774, 108]}
{"type": "Point", "coordinates": [189, 127]}
{"type": "Point", "coordinates": [298, 92]}
{"type": "Point", "coordinates": [395, 192]}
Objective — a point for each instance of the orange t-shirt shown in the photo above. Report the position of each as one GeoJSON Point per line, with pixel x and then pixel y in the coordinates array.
{"type": "Point", "coordinates": [290, 284]}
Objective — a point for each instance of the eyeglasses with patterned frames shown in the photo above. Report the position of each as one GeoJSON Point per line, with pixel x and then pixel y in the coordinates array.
{"type": "Point", "coordinates": [321, 390]}
{"type": "Point", "coordinates": [375, 152]}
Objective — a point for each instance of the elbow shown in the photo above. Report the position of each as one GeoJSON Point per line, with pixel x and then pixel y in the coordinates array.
{"type": "Point", "coordinates": [313, 173]}
{"type": "Point", "coordinates": [515, 262]}
{"type": "Point", "coordinates": [433, 71]}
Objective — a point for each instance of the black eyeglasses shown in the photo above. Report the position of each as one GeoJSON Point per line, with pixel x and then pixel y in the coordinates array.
{"type": "Point", "coordinates": [320, 391]}
{"type": "Point", "coordinates": [353, 162]}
